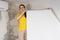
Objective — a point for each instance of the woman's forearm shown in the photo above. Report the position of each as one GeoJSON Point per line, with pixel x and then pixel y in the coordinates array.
{"type": "Point", "coordinates": [20, 16]}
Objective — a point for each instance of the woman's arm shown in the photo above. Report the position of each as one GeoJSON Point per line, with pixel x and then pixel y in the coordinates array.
{"type": "Point", "coordinates": [20, 15]}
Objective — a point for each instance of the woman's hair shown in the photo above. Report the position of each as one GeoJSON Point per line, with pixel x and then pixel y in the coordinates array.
{"type": "Point", "coordinates": [22, 5]}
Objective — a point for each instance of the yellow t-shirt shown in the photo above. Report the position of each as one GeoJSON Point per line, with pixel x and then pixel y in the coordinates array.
{"type": "Point", "coordinates": [22, 23]}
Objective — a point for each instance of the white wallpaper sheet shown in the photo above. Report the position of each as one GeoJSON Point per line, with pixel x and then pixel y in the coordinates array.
{"type": "Point", "coordinates": [42, 25]}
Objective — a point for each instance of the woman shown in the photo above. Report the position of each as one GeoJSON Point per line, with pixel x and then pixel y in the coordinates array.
{"type": "Point", "coordinates": [22, 22]}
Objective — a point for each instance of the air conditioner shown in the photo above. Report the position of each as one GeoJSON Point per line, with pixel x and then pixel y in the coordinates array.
{"type": "Point", "coordinates": [3, 5]}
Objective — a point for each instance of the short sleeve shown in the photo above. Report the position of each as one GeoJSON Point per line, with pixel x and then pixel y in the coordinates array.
{"type": "Point", "coordinates": [17, 14]}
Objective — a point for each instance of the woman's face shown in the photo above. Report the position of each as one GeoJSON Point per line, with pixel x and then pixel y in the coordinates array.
{"type": "Point", "coordinates": [22, 8]}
